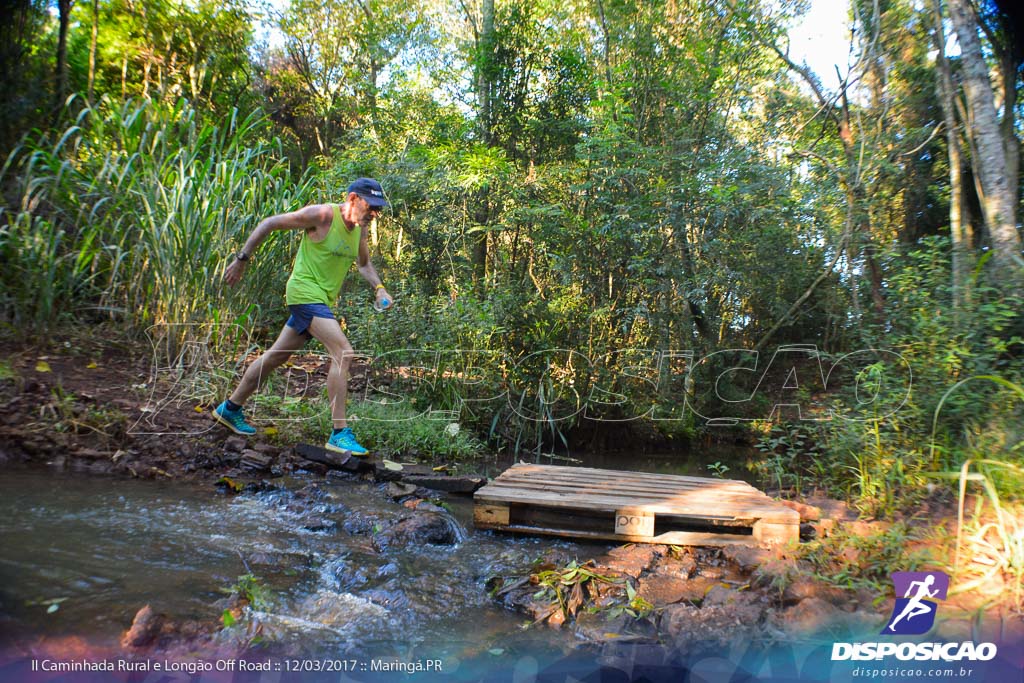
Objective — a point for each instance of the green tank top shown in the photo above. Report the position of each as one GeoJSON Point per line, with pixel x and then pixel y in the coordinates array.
{"type": "Point", "coordinates": [321, 267]}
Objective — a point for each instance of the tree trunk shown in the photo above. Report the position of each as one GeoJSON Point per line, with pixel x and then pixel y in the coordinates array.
{"type": "Point", "coordinates": [484, 90]}
{"type": "Point", "coordinates": [990, 164]}
{"type": "Point", "coordinates": [61, 92]}
{"type": "Point", "coordinates": [485, 71]}
{"type": "Point", "coordinates": [959, 219]}
{"type": "Point", "coordinates": [1010, 141]}
{"type": "Point", "coordinates": [92, 48]}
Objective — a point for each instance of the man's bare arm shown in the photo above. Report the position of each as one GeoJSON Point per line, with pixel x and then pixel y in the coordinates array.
{"type": "Point", "coordinates": [369, 273]}
{"type": "Point", "coordinates": [308, 217]}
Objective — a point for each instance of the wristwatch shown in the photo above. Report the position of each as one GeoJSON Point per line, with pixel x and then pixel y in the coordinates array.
{"type": "Point", "coordinates": [241, 256]}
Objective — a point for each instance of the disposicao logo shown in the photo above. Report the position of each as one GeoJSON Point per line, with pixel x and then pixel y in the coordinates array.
{"type": "Point", "coordinates": [912, 615]}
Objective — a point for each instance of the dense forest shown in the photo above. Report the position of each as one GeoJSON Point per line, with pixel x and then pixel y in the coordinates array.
{"type": "Point", "coordinates": [625, 220]}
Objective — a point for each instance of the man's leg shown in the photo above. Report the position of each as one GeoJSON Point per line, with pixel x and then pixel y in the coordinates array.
{"type": "Point", "coordinates": [328, 332]}
{"type": "Point", "coordinates": [287, 343]}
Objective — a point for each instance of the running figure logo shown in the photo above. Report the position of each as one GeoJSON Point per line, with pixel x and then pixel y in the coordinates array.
{"type": "Point", "coordinates": [914, 613]}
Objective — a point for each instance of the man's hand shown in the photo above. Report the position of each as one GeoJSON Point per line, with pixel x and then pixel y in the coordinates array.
{"type": "Point", "coordinates": [234, 272]}
{"type": "Point", "coordinates": [382, 300]}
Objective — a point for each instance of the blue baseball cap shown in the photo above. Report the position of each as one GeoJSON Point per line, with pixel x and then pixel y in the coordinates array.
{"type": "Point", "coordinates": [370, 190]}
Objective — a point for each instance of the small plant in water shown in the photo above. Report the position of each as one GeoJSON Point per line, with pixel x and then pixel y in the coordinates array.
{"type": "Point", "coordinates": [566, 586]}
{"type": "Point", "coordinates": [569, 586]}
{"type": "Point", "coordinates": [718, 469]}
{"type": "Point", "coordinates": [637, 607]}
{"type": "Point", "coordinates": [249, 588]}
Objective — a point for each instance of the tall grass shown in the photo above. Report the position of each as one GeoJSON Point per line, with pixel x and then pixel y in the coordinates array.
{"type": "Point", "coordinates": [133, 212]}
{"type": "Point", "coordinates": [997, 545]}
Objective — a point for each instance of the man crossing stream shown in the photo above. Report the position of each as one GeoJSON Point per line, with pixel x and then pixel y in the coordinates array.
{"type": "Point", "coordinates": [334, 237]}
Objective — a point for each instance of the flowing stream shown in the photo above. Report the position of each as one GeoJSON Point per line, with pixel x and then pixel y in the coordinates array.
{"type": "Point", "coordinates": [81, 555]}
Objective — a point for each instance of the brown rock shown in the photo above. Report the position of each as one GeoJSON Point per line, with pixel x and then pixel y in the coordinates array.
{"type": "Point", "coordinates": [713, 573]}
{"type": "Point", "coordinates": [396, 490]}
{"type": "Point", "coordinates": [449, 484]}
{"type": "Point", "coordinates": [686, 625]}
{"type": "Point", "coordinates": [811, 616]}
{"type": "Point", "coordinates": [697, 589]}
{"type": "Point", "coordinates": [747, 558]}
{"type": "Point", "coordinates": [253, 460]}
{"type": "Point", "coordinates": [824, 528]}
{"type": "Point", "coordinates": [804, 588]}
{"type": "Point", "coordinates": [832, 508]}
{"type": "Point", "coordinates": [808, 513]}
{"type": "Point", "coordinates": [746, 606]}
{"type": "Point", "coordinates": [334, 460]}
{"type": "Point", "coordinates": [681, 566]}
{"type": "Point", "coordinates": [234, 444]}
{"type": "Point", "coordinates": [1013, 629]}
{"type": "Point", "coordinates": [144, 630]}
{"type": "Point", "coordinates": [955, 629]}
{"type": "Point", "coordinates": [423, 528]}
{"type": "Point", "coordinates": [596, 627]}
{"type": "Point", "coordinates": [661, 590]}
{"type": "Point", "coordinates": [863, 529]}
{"type": "Point", "coordinates": [632, 559]}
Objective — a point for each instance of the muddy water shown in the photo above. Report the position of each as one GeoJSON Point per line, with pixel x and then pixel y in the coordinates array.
{"type": "Point", "coordinates": [81, 555]}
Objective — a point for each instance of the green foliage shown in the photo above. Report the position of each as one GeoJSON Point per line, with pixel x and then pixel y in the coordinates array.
{"type": "Point", "coordinates": [590, 181]}
{"type": "Point", "coordinates": [791, 457]}
{"type": "Point", "coordinates": [248, 587]}
{"type": "Point", "coordinates": [998, 542]}
{"type": "Point", "coordinates": [718, 469]}
{"type": "Point", "coordinates": [64, 412]}
{"type": "Point", "coordinates": [636, 606]}
{"type": "Point", "coordinates": [569, 587]}
{"type": "Point", "coordinates": [391, 429]}
{"type": "Point", "coordinates": [876, 454]}
{"type": "Point", "coordinates": [851, 560]}
{"type": "Point", "coordinates": [134, 211]}
{"type": "Point", "coordinates": [401, 429]}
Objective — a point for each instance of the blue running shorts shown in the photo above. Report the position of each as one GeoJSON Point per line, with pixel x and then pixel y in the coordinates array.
{"type": "Point", "coordinates": [303, 314]}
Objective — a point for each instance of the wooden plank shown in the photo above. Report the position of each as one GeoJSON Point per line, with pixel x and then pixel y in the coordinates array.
{"type": "Point", "coordinates": [490, 514]}
{"type": "Point", "coordinates": [578, 473]}
{"type": "Point", "coordinates": [626, 484]}
{"type": "Point", "coordinates": [556, 470]}
{"type": "Point", "coordinates": [633, 521]}
{"type": "Point", "coordinates": [701, 505]}
{"type": "Point", "coordinates": [770, 533]}
{"type": "Point", "coordinates": [669, 538]}
{"type": "Point", "coordinates": [632, 507]}
{"type": "Point", "coordinates": [575, 474]}
{"type": "Point", "coordinates": [752, 498]}
{"type": "Point", "coordinates": [703, 509]}
{"type": "Point", "coordinates": [591, 519]}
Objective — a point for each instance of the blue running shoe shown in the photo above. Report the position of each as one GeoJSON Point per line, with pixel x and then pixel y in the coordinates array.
{"type": "Point", "coordinates": [233, 420]}
{"type": "Point", "coordinates": [345, 442]}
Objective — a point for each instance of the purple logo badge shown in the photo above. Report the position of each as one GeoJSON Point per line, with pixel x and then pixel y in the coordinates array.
{"type": "Point", "coordinates": [917, 596]}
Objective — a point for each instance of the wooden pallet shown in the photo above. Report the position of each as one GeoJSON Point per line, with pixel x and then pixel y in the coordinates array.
{"type": "Point", "coordinates": [632, 507]}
